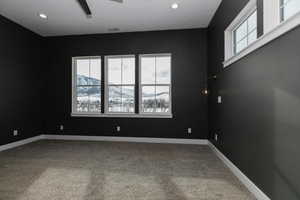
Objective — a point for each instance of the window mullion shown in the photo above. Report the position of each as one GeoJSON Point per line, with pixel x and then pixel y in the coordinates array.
{"type": "Point", "coordinates": [155, 103]}
{"type": "Point", "coordinates": [89, 101]}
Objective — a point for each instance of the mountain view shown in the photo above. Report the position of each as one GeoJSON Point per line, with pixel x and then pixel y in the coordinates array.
{"type": "Point", "coordinates": [121, 99]}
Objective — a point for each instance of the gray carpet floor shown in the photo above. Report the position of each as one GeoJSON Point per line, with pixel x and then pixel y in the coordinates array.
{"type": "Point", "coordinates": [73, 170]}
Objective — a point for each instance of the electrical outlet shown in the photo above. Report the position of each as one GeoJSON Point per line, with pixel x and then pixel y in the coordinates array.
{"type": "Point", "coordinates": [61, 127]}
{"type": "Point", "coordinates": [16, 132]}
{"type": "Point", "coordinates": [118, 128]}
{"type": "Point", "coordinates": [216, 137]}
{"type": "Point", "coordinates": [189, 130]}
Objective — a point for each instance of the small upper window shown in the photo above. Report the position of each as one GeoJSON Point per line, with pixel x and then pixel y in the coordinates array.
{"type": "Point", "coordinates": [245, 33]}
{"type": "Point", "coordinates": [241, 32]}
{"type": "Point", "coordinates": [288, 8]}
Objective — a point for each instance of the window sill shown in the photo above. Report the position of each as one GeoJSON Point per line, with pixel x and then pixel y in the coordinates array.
{"type": "Point", "coordinates": [167, 116]}
{"type": "Point", "coordinates": [278, 31]}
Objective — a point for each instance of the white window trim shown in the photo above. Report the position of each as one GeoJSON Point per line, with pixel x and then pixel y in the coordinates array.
{"type": "Point", "coordinates": [158, 115]}
{"type": "Point", "coordinates": [229, 32]}
{"type": "Point", "coordinates": [74, 85]}
{"type": "Point", "coordinates": [106, 91]}
{"type": "Point", "coordinates": [245, 19]}
{"type": "Point", "coordinates": [115, 115]}
{"type": "Point", "coordinates": [272, 14]}
{"type": "Point", "coordinates": [277, 31]}
{"type": "Point", "coordinates": [126, 115]}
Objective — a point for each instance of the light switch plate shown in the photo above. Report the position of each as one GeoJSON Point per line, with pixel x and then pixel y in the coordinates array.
{"type": "Point", "coordinates": [219, 99]}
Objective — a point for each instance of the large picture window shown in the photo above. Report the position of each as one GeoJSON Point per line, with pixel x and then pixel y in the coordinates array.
{"type": "Point", "coordinates": [155, 84]}
{"type": "Point", "coordinates": [87, 85]}
{"type": "Point", "coordinates": [124, 86]}
{"type": "Point", "coordinates": [120, 84]}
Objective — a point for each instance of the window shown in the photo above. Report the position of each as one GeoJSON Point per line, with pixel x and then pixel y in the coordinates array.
{"type": "Point", "coordinates": [245, 33]}
{"type": "Point", "coordinates": [120, 84]}
{"type": "Point", "coordinates": [118, 94]}
{"type": "Point", "coordinates": [86, 85]}
{"type": "Point", "coordinates": [241, 32]}
{"type": "Point", "coordinates": [155, 84]}
{"type": "Point", "coordinates": [279, 17]}
{"type": "Point", "coordinates": [288, 8]}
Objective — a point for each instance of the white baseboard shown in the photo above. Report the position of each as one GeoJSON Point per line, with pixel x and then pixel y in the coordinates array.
{"type": "Point", "coordinates": [260, 195]}
{"type": "Point", "coordinates": [20, 143]}
{"type": "Point", "coordinates": [126, 139]}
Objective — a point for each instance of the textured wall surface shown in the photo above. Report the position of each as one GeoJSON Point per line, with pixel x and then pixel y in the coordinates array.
{"type": "Point", "coordinates": [21, 82]}
{"type": "Point", "coordinates": [189, 54]}
{"type": "Point", "coordinates": [258, 121]}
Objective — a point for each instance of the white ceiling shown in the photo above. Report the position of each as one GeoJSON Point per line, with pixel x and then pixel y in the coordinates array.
{"type": "Point", "coordinates": [65, 17]}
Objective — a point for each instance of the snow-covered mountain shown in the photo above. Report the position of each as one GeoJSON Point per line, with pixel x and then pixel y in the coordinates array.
{"type": "Point", "coordinates": [113, 91]}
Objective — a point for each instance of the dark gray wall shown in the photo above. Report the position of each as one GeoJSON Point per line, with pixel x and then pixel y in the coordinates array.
{"type": "Point", "coordinates": [188, 48]}
{"type": "Point", "coordinates": [20, 82]}
{"type": "Point", "coordinates": [258, 121]}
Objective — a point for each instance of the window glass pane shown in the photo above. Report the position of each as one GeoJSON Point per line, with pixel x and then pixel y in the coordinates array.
{"type": "Point", "coordinates": [115, 98]}
{"type": "Point", "coordinates": [82, 99]}
{"type": "Point", "coordinates": [89, 99]}
{"type": "Point", "coordinates": [162, 99]}
{"type": "Point", "coordinates": [114, 70]}
{"type": "Point", "coordinates": [128, 71]}
{"type": "Point", "coordinates": [241, 45]}
{"type": "Point", "coordinates": [148, 99]}
{"type": "Point", "coordinates": [94, 93]}
{"type": "Point", "coordinates": [241, 32]}
{"type": "Point", "coordinates": [148, 70]}
{"type": "Point", "coordinates": [252, 22]}
{"type": "Point", "coordinates": [291, 8]}
{"type": "Point", "coordinates": [252, 37]}
{"type": "Point", "coordinates": [83, 73]}
{"type": "Point", "coordinates": [163, 70]}
{"type": "Point", "coordinates": [95, 72]}
{"type": "Point", "coordinates": [128, 99]}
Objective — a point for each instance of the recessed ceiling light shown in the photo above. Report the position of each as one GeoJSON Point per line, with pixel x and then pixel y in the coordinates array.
{"type": "Point", "coordinates": [174, 6]}
{"type": "Point", "coordinates": [43, 16]}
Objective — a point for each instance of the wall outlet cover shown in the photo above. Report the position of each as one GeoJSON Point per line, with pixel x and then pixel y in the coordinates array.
{"type": "Point", "coordinates": [189, 130]}
{"type": "Point", "coordinates": [16, 132]}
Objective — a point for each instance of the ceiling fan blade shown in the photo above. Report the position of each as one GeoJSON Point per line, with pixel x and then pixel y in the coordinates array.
{"type": "Point", "coordinates": [119, 1]}
{"type": "Point", "coordinates": [85, 7]}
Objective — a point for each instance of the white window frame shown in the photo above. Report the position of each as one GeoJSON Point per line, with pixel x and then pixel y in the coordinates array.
{"type": "Point", "coordinates": [250, 8]}
{"type": "Point", "coordinates": [273, 28]}
{"type": "Point", "coordinates": [272, 14]}
{"type": "Point", "coordinates": [155, 114]}
{"type": "Point", "coordinates": [104, 113]}
{"type": "Point", "coordinates": [74, 87]}
{"type": "Point", "coordinates": [245, 19]}
{"type": "Point", "coordinates": [106, 86]}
